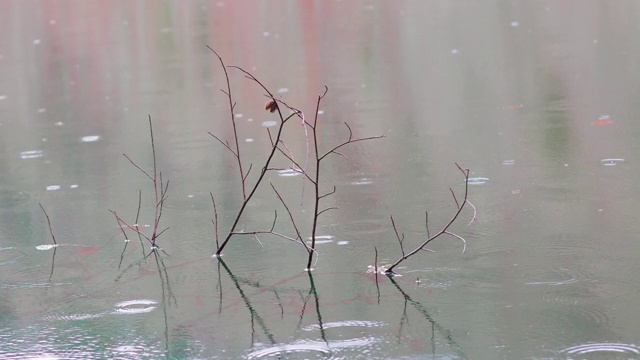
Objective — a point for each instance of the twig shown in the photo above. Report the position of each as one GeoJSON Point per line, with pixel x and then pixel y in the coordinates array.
{"type": "Point", "coordinates": [236, 153]}
{"type": "Point", "coordinates": [444, 230]}
{"type": "Point", "coordinates": [49, 222]}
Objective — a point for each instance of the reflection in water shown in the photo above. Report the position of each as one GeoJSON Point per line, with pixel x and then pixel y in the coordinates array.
{"type": "Point", "coordinates": [540, 97]}
{"type": "Point", "coordinates": [602, 351]}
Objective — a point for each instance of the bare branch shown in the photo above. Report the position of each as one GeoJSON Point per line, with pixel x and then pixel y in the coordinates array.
{"type": "Point", "coordinates": [295, 227]}
{"type": "Point", "coordinates": [444, 230]}
{"type": "Point", "coordinates": [426, 222]}
{"type": "Point", "coordinates": [474, 213]}
{"type": "Point", "coordinates": [232, 106]}
{"type": "Point", "coordinates": [224, 143]}
{"type": "Point", "coordinates": [464, 242]}
{"type": "Point", "coordinates": [327, 209]}
{"type": "Point", "coordinates": [329, 193]}
{"type": "Point", "coordinates": [350, 140]}
{"type": "Point", "coordinates": [138, 167]}
{"type": "Point", "coordinates": [49, 222]}
{"type": "Point", "coordinates": [215, 217]}
{"type": "Point", "coordinates": [454, 197]}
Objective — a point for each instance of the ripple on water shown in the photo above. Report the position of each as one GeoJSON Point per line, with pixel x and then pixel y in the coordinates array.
{"type": "Point", "coordinates": [611, 161]}
{"type": "Point", "coordinates": [361, 227]}
{"type": "Point", "coordinates": [9, 255]}
{"type": "Point", "coordinates": [602, 351]}
{"type": "Point", "coordinates": [135, 306]}
{"type": "Point", "coordinates": [289, 172]}
{"type": "Point", "coordinates": [477, 180]}
{"type": "Point", "coordinates": [304, 349]}
{"type": "Point", "coordinates": [322, 239]}
{"type": "Point", "coordinates": [31, 154]}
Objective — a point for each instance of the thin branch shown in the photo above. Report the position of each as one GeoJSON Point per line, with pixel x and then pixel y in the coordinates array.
{"type": "Point", "coordinates": [232, 106]}
{"type": "Point", "coordinates": [329, 193]}
{"type": "Point", "coordinates": [349, 140]}
{"type": "Point", "coordinates": [327, 209]}
{"type": "Point", "coordinates": [474, 213]}
{"type": "Point", "coordinates": [426, 222]}
{"type": "Point", "coordinates": [49, 222]}
{"type": "Point", "coordinates": [454, 197]}
{"type": "Point", "coordinates": [225, 144]}
{"type": "Point", "coordinates": [464, 242]}
{"type": "Point", "coordinates": [400, 238]}
{"type": "Point", "coordinates": [444, 230]}
{"type": "Point", "coordinates": [293, 222]}
{"type": "Point", "coordinates": [215, 217]}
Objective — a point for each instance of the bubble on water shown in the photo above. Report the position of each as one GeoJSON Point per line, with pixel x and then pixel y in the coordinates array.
{"type": "Point", "coordinates": [239, 115]}
{"type": "Point", "coordinates": [248, 140]}
{"type": "Point", "coordinates": [283, 90]}
{"type": "Point", "coordinates": [74, 186]}
{"type": "Point", "coordinates": [52, 22]}
{"type": "Point", "coordinates": [46, 246]}
{"type": "Point", "coordinates": [343, 242]}
{"type": "Point", "coordinates": [42, 110]}
{"type": "Point", "coordinates": [53, 187]}
{"type": "Point", "coordinates": [611, 161]}
{"type": "Point", "coordinates": [31, 154]}
{"type": "Point", "coordinates": [37, 42]}
{"type": "Point", "coordinates": [265, 34]}
{"type": "Point", "coordinates": [320, 112]}
{"type": "Point", "coordinates": [59, 123]}
{"type": "Point", "coordinates": [90, 138]}
{"type": "Point", "coordinates": [508, 162]}
{"type": "Point", "coordinates": [250, 119]}
{"type": "Point", "coordinates": [454, 51]}
{"type": "Point", "coordinates": [3, 97]}
{"type": "Point", "coordinates": [477, 181]}
{"type": "Point", "coordinates": [514, 24]}
{"type": "Point", "coordinates": [269, 123]}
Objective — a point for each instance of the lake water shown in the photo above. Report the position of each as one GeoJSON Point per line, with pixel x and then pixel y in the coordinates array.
{"type": "Point", "coordinates": [539, 99]}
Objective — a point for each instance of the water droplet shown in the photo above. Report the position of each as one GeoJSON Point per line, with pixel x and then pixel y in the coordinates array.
{"type": "Point", "coordinates": [611, 162]}
{"type": "Point", "coordinates": [477, 181]}
{"type": "Point", "coordinates": [248, 140]}
{"type": "Point", "coordinates": [53, 187]}
{"type": "Point", "coordinates": [283, 91]}
{"type": "Point", "coordinates": [514, 24]}
{"type": "Point", "coordinates": [320, 112]}
{"type": "Point", "coordinates": [239, 116]}
{"type": "Point", "coordinates": [90, 138]}
{"type": "Point", "coordinates": [269, 123]}
{"type": "Point", "coordinates": [3, 97]}
{"type": "Point", "coordinates": [59, 123]}
{"type": "Point", "coordinates": [265, 34]}
{"type": "Point", "coordinates": [508, 162]}
{"type": "Point", "coordinates": [52, 22]}
{"type": "Point", "coordinates": [289, 172]}
{"type": "Point", "coordinates": [74, 186]}
{"type": "Point", "coordinates": [42, 110]}
{"type": "Point", "coordinates": [454, 51]}
{"type": "Point", "coordinates": [31, 154]}
{"type": "Point", "coordinates": [37, 41]}
{"type": "Point", "coordinates": [362, 181]}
